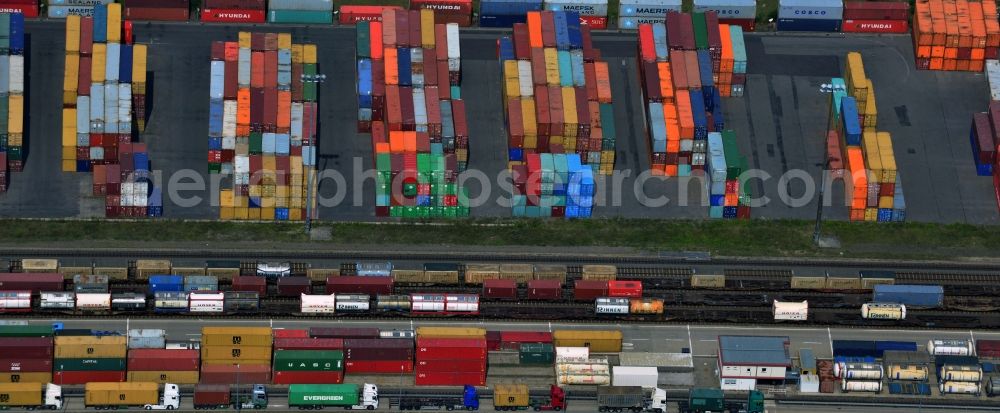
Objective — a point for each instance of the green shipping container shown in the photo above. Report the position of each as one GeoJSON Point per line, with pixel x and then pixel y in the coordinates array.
{"type": "Point", "coordinates": [4, 112]}
{"type": "Point", "coordinates": [700, 30]}
{"type": "Point", "coordinates": [93, 364]}
{"type": "Point", "coordinates": [300, 16]}
{"type": "Point", "coordinates": [707, 399]}
{"type": "Point", "coordinates": [308, 360]}
{"type": "Point", "coordinates": [5, 31]}
{"type": "Point", "coordinates": [363, 39]}
{"type": "Point", "coordinates": [608, 122]}
{"type": "Point", "coordinates": [309, 88]}
{"type": "Point", "coordinates": [537, 353]}
{"type": "Point", "coordinates": [256, 143]}
{"type": "Point", "coordinates": [733, 157]}
{"type": "Point", "coordinates": [26, 331]}
{"type": "Point", "coordinates": [323, 394]}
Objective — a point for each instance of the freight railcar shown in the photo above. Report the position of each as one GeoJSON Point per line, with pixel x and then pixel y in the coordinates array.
{"type": "Point", "coordinates": [15, 301]}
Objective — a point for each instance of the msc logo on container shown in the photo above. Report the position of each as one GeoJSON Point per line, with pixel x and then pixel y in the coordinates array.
{"type": "Point", "coordinates": [810, 12]}
{"type": "Point", "coordinates": [323, 398]}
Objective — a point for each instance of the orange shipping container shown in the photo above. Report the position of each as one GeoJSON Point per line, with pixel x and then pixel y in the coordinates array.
{"type": "Point", "coordinates": [535, 29]}
{"type": "Point", "coordinates": [257, 69]}
{"type": "Point", "coordinates": [726, 60]}
{"type": "Point", "coordinates": [603, 82]}
{"type": "Point", "coordinates": [375, 44]}
{"type": "Point", "coordinates": [389, 28]}
{"type": "Point", "coordinates": [666, 81]}
{"type": "Point", "coordinates": [243, 106]}
{"type": "Point", "coordinates": [284, 109]}
{"type": "Point", "coordinates": [391, 66]}
{"type": "Point", "coordinates": [684, 115]}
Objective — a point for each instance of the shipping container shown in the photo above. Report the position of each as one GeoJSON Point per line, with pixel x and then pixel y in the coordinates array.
{"type": "Point", "coordinates": [121, 394]}
{"type": "Point", "coordinates": [596, 340]}
{"type": "Point", "coordinates": [164, 10]}
{"type": "Point", "coordinates": [163, 360]}
{"type": "Point", "coordinates": [919, 296]}
{"type": "Point", "coordinates": [359, 285]}
{"type": "Point", "coordinates": [34, 282]}
{"type": "Point", "coordinates": [231, 373]}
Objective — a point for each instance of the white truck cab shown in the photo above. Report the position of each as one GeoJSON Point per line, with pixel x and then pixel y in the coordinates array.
{"type": "Point", "coordinates": [53, 396]}
{"type": "Point", "coordinates": [170, 400]}
{"type": "Point", "coordinates": [369, 398]}
{"type": "Point", "coordinates": [657, 401]}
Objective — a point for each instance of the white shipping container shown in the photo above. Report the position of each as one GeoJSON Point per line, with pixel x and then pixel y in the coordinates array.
{"type": "Point", "coordinates": [112, 62]}
{"type": "Point", "coordinates": [15, 300]}
{"type": "Point", "coordinates": [60, 12]}
{"type": "Point", "coordinates": [141, 194]}
{"type": "Point", "coordinates": [228, 143]}
{"type": "Point", "coordinates": [353, 302]}
{"type": "Point", "coordinates": [419, 107]}
{"type": "Point", "coordinates": [738, 384]}
{"type": "Point", "coordinates": [454, 49]}
{"type": "Point", "coordinates": [93, 302]}
{"type": "Point", "coordinates": [83, 139]}
{"type": "Point", "coordinates": [658, 8]}
{"type": "Point", "coordinates": [318, 304]}
{"type": "Point", "coordinates": [82, 114]}
{"type": "Point", "coordinates": [96, 153]}
{"type": "Point", "coordinates": [16, 75]}
{"type": "Point", "coordinates": [297, 111]}
{"type": "Point", "coordinates": [524, 80]}
{"type": "Point", "coordinates": [811, 9]}
{"type": "Point", "coordinates": [211, 302]}
{"type": "Point", "coordinates": [584, 7]}
{"type": "Point", "coordinates": [634, 376]}
{"type": "Point", "coordinates": [572, 353]}
{"type": "Point", "coordinates": [242, 178]}
{"type": "Point", "coordinates": [218, 79]}
{"type": "Point", "coordinates": [611, 305]}
{"type": "Point", "coordinates": [633, 22]}
{"type": "Point", "coordinates": [809, 383]}
{"type": "Point", "coordinates": [111, 104]}
{"type": "Point", "coordinates": [728, 9]}
{"type": "Point", "coordinates": [229, 119]}
{"type": "Point", "coordinates": [243, 68]}
{"type": "Point", "coordinates": [993, 77]}
{"type": "Point", "coordinates": [791, 311]}
{"type": "Point", "coordinates": [960, 373]}
{"type": "Point", "coordinates": [241, 163]}
{"type": "Point", "coordinates": [57, 300]}
{"type": "Point", "coordinates": [97, 105]}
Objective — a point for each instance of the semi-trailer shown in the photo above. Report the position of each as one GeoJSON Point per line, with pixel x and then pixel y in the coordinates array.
{"type": "Point", "coordinates": [508, 397]}
{"type": "Point", "coordinates": [115, 395]}
{"type": "Point", "coordinates": [221, 396]}
{"type": "Point", "coordinates": [468, 400]}
{"type": "Point", "coordinates": [348, 396]}
{"type": "Point", "coordinates": [631, 398]}
{"type": "Point", "coordinates": [30, 396]}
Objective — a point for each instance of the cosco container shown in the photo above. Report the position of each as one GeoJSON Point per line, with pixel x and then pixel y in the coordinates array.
{"type": "Point", "coordinates": [810, 9]}
{"type": "Point", "coordinates": [728, 9]}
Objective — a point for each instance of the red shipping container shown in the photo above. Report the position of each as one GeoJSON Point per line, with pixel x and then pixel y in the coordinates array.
{"type": "Point", "coordinates": [27, 347]}
{"type": "Point", "coordinates": [308, 377]}
{"type": "Point", "coordinates": [154, 359]}
{"type": "Point", "coordinates": [251, 283]}
{"type": "Point", "coordinates": [28, 9]}
{"type": "Point", "coordinates": [31, 281]}
{"type": "Point", "coordinates": [512, 340]}
{"type": "Point", "coordinates": [360, 285]}
{"type": "Point", "coordinates": [522, 44]}
{"type": "Point", "coordinates": [26, 365]}
{"type": "Point", "coordinates": [378, 349]}
{"type": "Point", "coordinates": [84, 377]}
{"type": "Point", "coordinates": [875, 26]}
{"type": "Point", "coordinates": [628, 289]}
{"type": "Point", "coordinates": [83, 82]}
{"type": "Point", "coordinates": [544, 290]}
{"type": "Point", "coordinates": [988, 348]}
{"type": "Point", "coordinates": [308, 343]}
{"type": "Point", "coordinates": [492, 340]}
{"type": "Point", "coordinates": [588, 290]}
{"type": "Point", "coordinates": [594, 22]}
{"type": "Point", "coordinates": [291, 333]}
{"type": "Point", "coordinates": [294, 286]}
{"type": "Point", "coordinates": [876, 10]}
{"type": "Point", "coordinates": [232, 15]}
{"type": "Point", "coordinates": [378, 366]}
{"type": "Point", "coordinates": [227, 373]}
{"type": "Point", "coordinates": [450, 379]}
{"type": "Point", "coordinates": [441, 366]}
{"type": "Point", "coordinates": [351, 14]}
{"type": "Point", "coordinates": [447, 11]}
{"type": "Point", "coordinates": [344, 333]}
{"type": "Point", "coordinates": [450, 348]}
{"type": "Point", "coordinates": [211, 395]}
{"type": "Point", "coordinates": [500, 289]}
{"type": "Point", "coordinates": [748, 25]}
{"type": "Point", "coordinates": [168, 10]}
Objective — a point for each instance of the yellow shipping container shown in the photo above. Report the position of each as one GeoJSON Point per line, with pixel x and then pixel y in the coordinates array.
{"type": "Point", "coordinates": [528, 112]}
{"type": "Point", "coordinates": [223, 273]}
{"type": "Point", "coordinates": [522, 273]}
{"type": "Point", "coordinates": [114, 273]}
{"type": "Point", "coordinates": [451, 332]}
{"type": "Point", "coordinates": [227, 213]}
{"type": "Point", "coordinates": [72, 34]}
{"type": "Point", "coordinates": [8, 377]}
{"type": "Point", "coordinates": [856, 80]}
{"type": "Point", "coordinates": [296, 53]}
{"type": "Point", "coordinates": [599, 272]}
{"type": "Point", "coordinates": [284, 40]}
{"type": "Point", "coordinates": [68, 152]}
{"type": "Point", "coordinates": [885, 202]}
{"type": "Point", "coordinates": [476, 273]}
{"type": "Point", "coordinates": [320, 274]}
{"type": "Point", "coordinates": [873, 161]}
{"type": "Point", "coordinates": [267, 213]}
{"type": "Point", "coordinates": [309, 53]}
{"type": "Point", "coordinates": [244, 40]}
{"type": "Point", "coordinates": [871, 214]}
{"type": "Point", "coordinates": [235, 336]}
{"type": "Point", "coordinates": [510, 395]}
{"type": "Point", "coordinates": [145, 268]}
{"type": "Point", "coordinates": [21, 394]}
{"type": "Point", "coordinates": [551, 66]}
{"type": "Point", "coordinates": [871, 110]}
{"type": "Point", "coordinates": [71, 76]}
{"type": "Point", "coordinates": [139, 63]}
{"type": "Point", "coordinates": [69, 165]}
{"type": "Point", "coordinates": [15, 114]}
{"type": "Point", "coordinates": [69, 128]}
{"type": "Point", "coordinates": [175, 377]}
{"type": "Point", "coordinates": [550, 272]}
{"type": "Point", "coordinates": [121, 394]}
{"type": "Point", "coordinates": [69, 272]}
{"type": "Point", "coordinates": [88, 340]}
{"type": "Point", "coordinates": [511, 83]}
{"type": "Point", "coordinates": [569, 112]}
{"type": "Point", "coordinates": [235, 353]}
{"type": "Point", "coordinates": [600, 341]}
{"type": "Point", "coordinates": [114, 23]}
{"type": "Point", "coordinates": [226, 197]}
{"type": "Point", "coordinates": [427, 28]}
{"type": "Point", "coordinates": [98, 60]}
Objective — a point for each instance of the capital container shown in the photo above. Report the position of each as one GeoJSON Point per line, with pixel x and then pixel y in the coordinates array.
{"type": "Point", "coordinates": [166, 283]}
{"type": "Point", "coordinates": [88, 364]}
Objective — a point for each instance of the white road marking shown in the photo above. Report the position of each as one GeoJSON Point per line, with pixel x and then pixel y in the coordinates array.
{"type": "Point", "coordinates": [640, 339]}
{"type": "Point", "coordinates": [811, 342]}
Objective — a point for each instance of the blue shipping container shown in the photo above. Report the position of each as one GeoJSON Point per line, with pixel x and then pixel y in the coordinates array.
{"type": "Point", "coordinates": [215, 110]}
{"type": "Point", "coordinates": [159, 283]}
{"type": "Point", "coordinates": [849, 118]}
{"type": "Point", "coordinates": [808, 25]}
{"type": "Point", "coordinates": [501, 20]}
{"type": "Point", "coordinates": [561, 30]}
{"type": "Point", "coordinates": [698, 114]}
{"type": "Point", "coordinates": [100, 24]}
{"type": "Point", "coordinates": [506, 50]}
{"type": "Point", "coordinates": [854, 348]}
{"type": "Point", "coordinates": [573, 24]}
{"type": "Point", "coordinates": [882, 346]}
{"type": "Point", "coordinates": [508, 8]}
{"type": "Point", "coordinates": [404, 66]}
{"type": "Point", "coordinates": [17, 33]}
{"type": "Point", "coordinates": [125, 64]}
{"type": "Point", "coordinates": [927, 296]}
{"type": "Point", "coordinates": [705, 68]}
{"type": "Point", "coordinates": [365, 78]}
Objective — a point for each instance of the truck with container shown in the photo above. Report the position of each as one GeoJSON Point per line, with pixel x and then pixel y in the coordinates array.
{"type": "Point", "coordinates": [347, 396]}
{"type": "Point", "coordinates": [221, 396]}
{"type": "Point", "coordinates": [508, 397]}
{"type": "Point", "coordinates": [631, 398]}
{"type": "Point", "coordinates": [30, 396]}
{"type": "Point", "coordinates": [714, 400]}
{"type": "Point", "coordinates": [118, 395]}
{"type": "Point", "coordinates": [468, 400]}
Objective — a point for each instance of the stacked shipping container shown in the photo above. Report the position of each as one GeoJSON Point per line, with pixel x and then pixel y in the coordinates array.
{"type": "Point", "coordinates": [984, 135]}
{"type": "Point", "coordinates": [560, 121]}
{"type": "Point", "coordinates": [810, 15]}
{"type": "Point", "coordinates": [312, 366]}
{"type": "Point", "coordinates": [165, 10]}
{"type": "Point", "coordinates": [61, 9]}
{"type": "Point", "coordinates": [955, 34]}
{"type": "Point", "coordinates": [89, 358]}
{"type": "Point", "coordinates": [233, 11]}
{"type": "Point", "coordinates": [409, 71]}
{"type": "Point", "coordinates": [876, 17]}
{"type": "Point", "coordinates": [506, 13]}
{"type": "Point", "coordinates": [351, 14]}
{"type": "Point", "coordinates": [593, 13]}
{"type": "Point", "coordinates": [26, 358]}
{"type": "Point", "coordinates": [447, 11]}
{"type": "Point", "coordinates": [632, 13]}
{"type": "Point", "coordinates": [160, 365]}
{"type": "Point", "coordinates": [450, 357]}
{"type": "Point", "coordinates": [29, 8]}
{"type": "Point", "coordinates": [300, 11]}
{"type": "Point", "coordinates": [375, 355]}
{"type": "Point", "coordinates": [104, 94]}
{"type": "Point", "coordinates": [741, 13]}
{"type": "Point", "coordinates": [231, 352]}
{"type": "Point", "coordinates": [12, 152]}
{"type": "Point", "coordinates": [871, 178]}
{"type": "Point", "coordinates": [262, 126]}
{"type": "Point", "coordinates": [687, 65]}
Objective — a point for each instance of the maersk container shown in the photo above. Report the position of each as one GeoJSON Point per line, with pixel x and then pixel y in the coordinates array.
{"type": "Point", "coordinates": [810, 10]}
{"type": "Point", "coordinates": [218, 79]}
{"type": "Point", "coordinates": [513, 8]}
{"type": "Point", "coordinates": [299, 16]}
{"type": "Point", "coordinates": [926, 296]}
{"type": "Point", "coordinates": [60, 12]}
{"type": "Point", "coordinates": [77, 2]}
{"type": "Point", "coordinates": [633, 22]}
{"type": "Point", "coordinates": [311, 5]}
{"type": "Point", "coordinates": [728, 9]}
{"type": "Point", "coordinates": [648, 8]}
{"type": "Point", "coordinates": [808, 25]}
{"type": "Point", "coordinates": [583, 7]}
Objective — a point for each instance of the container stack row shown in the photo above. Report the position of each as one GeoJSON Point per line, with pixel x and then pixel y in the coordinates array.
{"type": "Point", "coordinates": [984, 135]}
{"type": "Point", "coordinates": [29, 8]}
{"type": "Point", "coordinates": [12, 146]}
{"type": "Point", "coordinates": [161, 365]}
{"type": "Point", "coordinates": [409, 100]}
{"type": "Point", "coordinates": [233, 11]}
{"type": "Point", "coordinates": [262, 134]}
{"type": "Point", "coordinates": [876, 17]}
{"type": "Point", "coordinates": [810, 15]}
{"type": "Point", "coordinates": [87, 357]}
{"type": "Point", "coordinates": [955, 34]}
{"type": "Point", "coordinates": [633, 13]}
{"type": "Point", "coordinates": [300, 11]}
{"type": "Point", "coordinates": [373, 355]}
{"type": "Point", "coordinates": [27, 357]}
{"type": "Point", "coordinates": [160, 10]}
{"type": "Point", "coordinates": [450, 356]}
{"type": "Point", "coordinates": [741, 13]}
{"type": "Point", "coordinates": [104, 94]}
{"type": "Point", "coordinates": [229, 354]}
{"type": "Point", "coordinates": [865, 154]}
{"type": "Point", "coordinates": [61, 9]}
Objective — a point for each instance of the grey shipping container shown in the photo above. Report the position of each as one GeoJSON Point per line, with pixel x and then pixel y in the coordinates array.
{"type": "Point", "coordinates": [728, 9]}
{"type": "Point", "coordinates": [926, 296]}
{"type": "Point", "coordinates": [311, 5]}
{"type": "Point", "coordinates": [620, 397]}
{"type": "Point", "coordinates": [811, 9]}
{"type": "Point", "coordinates": [77, 2]}
{"type": "Point", "coordinates": [147, 338]}
{"type": "Point", "coordinates": [201, 283]}
{"type": "Point", "coordinates": [60, 12]}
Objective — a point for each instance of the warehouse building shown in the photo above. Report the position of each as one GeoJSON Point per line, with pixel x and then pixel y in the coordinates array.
{"type": "Point", "coordinates": [748, 361]}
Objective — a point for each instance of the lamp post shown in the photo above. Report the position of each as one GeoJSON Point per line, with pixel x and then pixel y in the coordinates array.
{"type": "Point", "coordinates": [239, 402]}
{"type": "Point", "coordinates": [317, 79]}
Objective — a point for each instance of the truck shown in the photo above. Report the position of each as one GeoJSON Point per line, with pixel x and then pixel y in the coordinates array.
{"type": "Point", "coordinates": [30, 396]}
{"type": "Point", "coordinates": [631, 398]}
{"type": "Point", "coordinates": [702, 400]}
{"type": "Point", "coordinates": [116, 395]}
{"type": "Point", "coordinates": [348, 396]}
{"type": "Point", "coordinates": [468, 400]}
{"type": "Point", "coordinates": [508, 397]}
{"type": "Point", "coordinates": [221, 396]}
